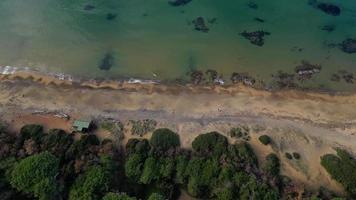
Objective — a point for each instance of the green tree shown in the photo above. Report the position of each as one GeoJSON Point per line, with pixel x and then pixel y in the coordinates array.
{"type": "Point", "coordinates": [182, 163]}
{"type": "Point", "coordinates": [156, 196]}
{"type": "Point", "coordinates": [114, 196]}
{"type": "Point", "coordinates": [164, 139]}
{"type": "Point", "coordinates": [133, 167]}
{"type": "Point", "coordinates": [210, 143]}
{"type": "Point", "coordinates": [150, 171]}
{"type": "Point", "coordinates": [36, 175]}
{"type": "Point", "coordinates": [90, 185]}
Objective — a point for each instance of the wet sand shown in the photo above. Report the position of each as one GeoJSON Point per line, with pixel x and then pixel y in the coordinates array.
{"type": "Point", "coordinates": [309, 123]}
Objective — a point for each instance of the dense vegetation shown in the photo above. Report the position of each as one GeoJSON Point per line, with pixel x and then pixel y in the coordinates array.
{"type": "Point", "coordinates": [342, 168]}
{"type": "Point", "coordinates": [38, 165]}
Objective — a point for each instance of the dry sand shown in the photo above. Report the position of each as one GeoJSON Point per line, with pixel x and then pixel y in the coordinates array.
{"type": "Point", "coordinates": [311, 124]}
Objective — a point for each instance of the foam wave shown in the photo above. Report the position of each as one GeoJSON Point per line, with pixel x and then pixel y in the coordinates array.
{"type": "Point", "coordinates": [11, 70]}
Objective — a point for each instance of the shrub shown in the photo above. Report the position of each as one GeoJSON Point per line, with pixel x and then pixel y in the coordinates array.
{"type": "Point", "coordinates": [342, 168]}
{"type": "Point", "coordinates": [32, 131]}
{"type": "Point", "coordinates": [265, 139]}
{"type": "Point", "coordinates": [272, 165]}
{"type": "Point", "coordinates": [243, 153]}
{"type": "Point", "coordinates": [36, 175]}
{"type": "Point", "coordinates": [164, 139]}
{"type": "Point", "coordinates": [210, 143]}
{"type": "Point", "coordinates": [288, 156]}
{"type": "Point", "coordinates": [296, 155]}
{"type": "Point", "coordinates": [142, 127]}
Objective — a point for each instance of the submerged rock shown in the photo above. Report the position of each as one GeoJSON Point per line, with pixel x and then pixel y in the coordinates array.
{"type": "Point", "coordinates": [256, 37]}
{"type": "Point", "coordinates": [196, 77]}
{"type": "Point", "coordinates": [259, 19]}
{"type": "Point", "coordinates": [111, 16]}
{"type": "Point", "coordinates": [179, 2]}
{"type": "Point", "coordinates": [328, 28]}
{"type": "Point", "coordinates": [252, 5]}
{"type": "Point", "coordinates": [329, 8]}
{"type": "Point", "coordinates": [107, 62]}
{"type": "Point", "coordinates": [348, 45]}
{"type": "Point", "coordinates": [244, 78]}
{"type": "Point", "coordinates": [284, 80]}
{"type": "Point", "coordinates": [89, 7]}
{"type": "Point", "coordinates": [347, 76]}
{"type": "Point", "coordinates": [200, 25]}
{"type": "Point", "coordinates": [306, 70]}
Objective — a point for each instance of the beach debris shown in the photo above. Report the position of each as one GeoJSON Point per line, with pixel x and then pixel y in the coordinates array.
{"type": "Point", "coordinates": [142, 127]}
{"type": "Point", "coordinates": [244, 78]}
{"type": "Point", "coordinates": [196, 77]}
{"type": "Point", "coordinates": [107, 62]}
{"type": "Point", "coordinates": [284, 80]}
{"type": "Point", "coordinates": [111, 16]}
{"type": "Point", "coordinates": [89, 7]}
{"type": "Point", "coordinates": [252, 5]}
{"type": "Point", "coordinates": [328, 28]}
{"type": "Point", "coordinates": [259, 20]}
{"type": "Point", "coordinates": [348, 45]}
{"type": "Point", "coordinates": [328, 8]}
{"type": "Point", "coordinates": [200, 25]}
{"type": "Point", "coordinates": [179, 2]}
{"type": "Point", "coordinates": [256, 37]}
{"type": "Point", "coordinates": [347, 76]}
{"type": "Point", "coordinates": [306, 70]}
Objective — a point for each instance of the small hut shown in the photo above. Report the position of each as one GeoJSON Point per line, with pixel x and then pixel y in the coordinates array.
{"type": "Point", "coordinates": [81, 125]}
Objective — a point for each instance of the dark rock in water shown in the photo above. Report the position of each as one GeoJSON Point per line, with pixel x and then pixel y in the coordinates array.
{"type": "Point", "coordinates": [259, 20]}
{"type": "Point", "coordinates": [256, 37]}
{"type": "Point", "coordinates": [199, 25]}
{"type": "Point", "coordinates": [348, 77]}
{"type": "Point", "coordinates": [348, 45]}
{"type": "Point", "coordinates": [107, 62]}
{"type": "Point", "coordinates": [89, 7]}
{"type": "Point", "coordinates": [244, 78]}
{"type": "Point", "coordinates": [212, 74]}
{"type": "Point", "coordinates": [196, 77]}
{"type": "Point", "coordinates": [330, 9]}
{"type": "Point", "coordinates": [284, 80]}
{"type": "Point", "coordinates": [306, 70]}
{"type": "Point", "coordinates": [212, 20]}
{"type": "Point", "coordinates": [179, 2]}
{"type": "Point", "coordinates": [111, 16]}
{"type": "Point", "coordinates": [252, 5]}
{"type": "Point", "coordinates": [328, 28]}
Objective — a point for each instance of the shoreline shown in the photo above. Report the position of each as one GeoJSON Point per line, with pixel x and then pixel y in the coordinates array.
{"type": "Point", "coordinates": [151, 85]}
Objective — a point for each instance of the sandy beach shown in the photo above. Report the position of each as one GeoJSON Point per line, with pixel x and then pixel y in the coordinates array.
{"type": "Point", "coordinates": [309, 123]}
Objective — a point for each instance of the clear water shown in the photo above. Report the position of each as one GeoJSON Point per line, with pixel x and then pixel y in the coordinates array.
{"type": "Point", "coordinates": [151, 37]}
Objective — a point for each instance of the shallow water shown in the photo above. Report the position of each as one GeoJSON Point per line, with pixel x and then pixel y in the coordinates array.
{"type": "Point", "coordinates": [154, 40]}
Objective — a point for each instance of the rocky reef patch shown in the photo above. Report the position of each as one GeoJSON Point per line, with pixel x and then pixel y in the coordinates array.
{"type": "Point", "coordinates": [343, 75]}
{"type": "Point", "coordinates": [107, 62]}
{"type": "Point", "coordinates": [307, 70]}
{"type": "Point", "coordinates": [200, 25]}
{"type": "Point", "coordinates": [328, 8]}
{"type": "Point", "coordinates": [256, 37]}
{"type": "Point", "coordinates": [179, 2]}
{"type": "Point", "coordinates": [348, 45]}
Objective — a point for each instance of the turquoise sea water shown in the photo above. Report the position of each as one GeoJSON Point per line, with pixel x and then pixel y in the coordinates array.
{"type": "Point", "coordinates": [151, 39]}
